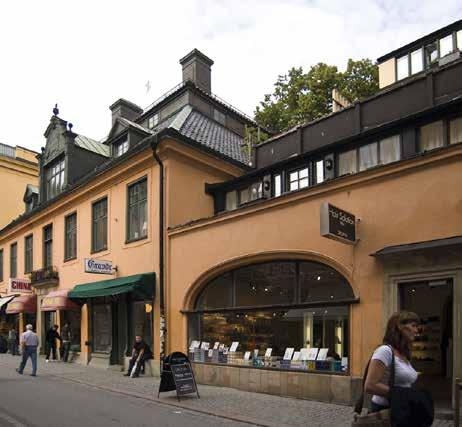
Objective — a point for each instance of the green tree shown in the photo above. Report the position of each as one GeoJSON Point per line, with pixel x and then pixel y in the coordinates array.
{"type": "Point", "coordinates": [300, 97]}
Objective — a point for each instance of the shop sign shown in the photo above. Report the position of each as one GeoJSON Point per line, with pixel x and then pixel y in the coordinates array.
{"type": "Point", "coordinates": [338, 224]}
{"type": "Point", "coordinates": [98, 266]}
{"type": "Point", "coordinates": [19, 286]}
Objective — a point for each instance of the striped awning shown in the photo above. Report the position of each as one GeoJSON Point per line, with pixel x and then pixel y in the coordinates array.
{"type": "Point", "coordinates": [58, 300]}
{"type": "Point", "coordinates": [23, 304]}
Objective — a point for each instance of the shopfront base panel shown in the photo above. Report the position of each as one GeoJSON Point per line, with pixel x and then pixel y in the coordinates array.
{"type": "Point", "coordinates": [341, 389]}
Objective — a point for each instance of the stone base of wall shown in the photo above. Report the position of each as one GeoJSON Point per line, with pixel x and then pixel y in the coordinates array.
{"type": "Point", "coordinates": [330, 388]}
{"type": "Point", "coordinates": [152, 367]}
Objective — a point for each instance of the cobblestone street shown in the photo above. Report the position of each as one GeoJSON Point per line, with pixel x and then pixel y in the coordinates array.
{"type": "Point", "coordinates": [234, 405]}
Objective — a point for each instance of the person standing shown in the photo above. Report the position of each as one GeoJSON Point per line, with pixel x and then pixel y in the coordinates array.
{"type": "Point", "coordinates": [29, 343]}
{"type": "Point", "coordinates": [51, 337]}
{"type": "Point", "coordinates": [66, 335]}
{"type": "Point", "coordinates": [12, 341]}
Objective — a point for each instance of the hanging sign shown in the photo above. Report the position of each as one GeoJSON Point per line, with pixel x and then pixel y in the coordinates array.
{"type": "Point", "coordinates": [19, 286]}
{"type": "Point", "coordinates": [98, 266]}
{"type": "Point", "coordinates": [338, 224]}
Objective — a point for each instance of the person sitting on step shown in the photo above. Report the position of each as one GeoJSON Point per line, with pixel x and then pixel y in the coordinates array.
{"type": "Point", "coordinates": [140, 353]}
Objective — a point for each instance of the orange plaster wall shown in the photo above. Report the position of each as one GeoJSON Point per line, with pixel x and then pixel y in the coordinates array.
{"type": "Point", "coordinates": [396, 204]}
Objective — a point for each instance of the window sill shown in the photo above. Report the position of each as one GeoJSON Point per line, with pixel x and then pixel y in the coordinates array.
{"type": "Point", "coordinates": [129, 241]}
{"type": "Point", "coordinates": [70, 259]}
{"type": "Point", "coordinates": [98, 251]}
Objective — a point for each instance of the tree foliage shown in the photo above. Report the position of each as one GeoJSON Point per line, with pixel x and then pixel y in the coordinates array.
{"type": "Point", "coordinates": [300, 97]}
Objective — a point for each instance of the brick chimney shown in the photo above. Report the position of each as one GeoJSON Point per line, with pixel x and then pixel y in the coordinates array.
{"type": "Point", "coordinates": [126, 109]}
{"type": "Point", "coordinates": [196, 67]}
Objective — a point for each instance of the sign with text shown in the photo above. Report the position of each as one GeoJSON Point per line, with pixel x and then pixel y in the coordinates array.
{"type": "Point", "coordinates": [338, 224]}
{"type": "Point", "coordinates": [184, 379]}
{"type": "Point", "coordinates": [19, 286]}
{"type": "Point", "coordinates": [98, 266]}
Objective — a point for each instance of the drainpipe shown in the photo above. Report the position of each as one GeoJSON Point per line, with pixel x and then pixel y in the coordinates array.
{"type": "Point", "coordinates": [163, 321]}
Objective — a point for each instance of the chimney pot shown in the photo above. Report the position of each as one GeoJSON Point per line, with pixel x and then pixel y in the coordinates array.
{"type": "Point", "coordinates": [126, 109]}
{"type": "Point", "coordinates": [197, 68]}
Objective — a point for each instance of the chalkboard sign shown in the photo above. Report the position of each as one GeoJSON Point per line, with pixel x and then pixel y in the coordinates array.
{"type": "Point", "coordinates": [183, 377]}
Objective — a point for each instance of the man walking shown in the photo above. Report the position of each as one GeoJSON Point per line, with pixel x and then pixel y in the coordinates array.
{"type": "Point", "coordinates": [66, 335]}
{"type": "Point", "coordinates": [51, 337]}
{"type": "Point", "coordinates": [29, 343]}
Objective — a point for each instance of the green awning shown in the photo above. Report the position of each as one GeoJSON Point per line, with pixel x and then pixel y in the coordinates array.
{"type": "Point", "coordinates": [142, 285]}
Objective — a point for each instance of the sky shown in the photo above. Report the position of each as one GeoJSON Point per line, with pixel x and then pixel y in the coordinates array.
{"type": "Point", "coordinates": [84, 55]}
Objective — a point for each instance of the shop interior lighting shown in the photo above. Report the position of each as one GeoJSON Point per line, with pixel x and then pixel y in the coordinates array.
{"type": "Point", "coordinates": [319, 278]}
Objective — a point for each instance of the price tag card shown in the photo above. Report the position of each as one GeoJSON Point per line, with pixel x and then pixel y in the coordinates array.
{"type": "Point", "coordinates": [247, 355]}
{"type": "Point", "coordinates": [288, 354]}
{"type": "Point", "coordinates": [296, 356]}
{"type": "Point", "coordinates": [322, 355]}
{"type": "Point", "coordinates": [304, 354]}
{"type": "Point", "coordinates": [205, 345]}
{"type": "Point", "coordinates": [312, 353]}
{"type": "Point", "coordinates": [216, 345]}
{"type": "Point", "coordinates": [234, 346]}
{"type": "Point", "coordinates": [268, 352]}
{"type": "Point", "coordinates": [194, 344]}
{"type": "Point", "coordinates": [211, 352]}
{"type": "Point", "coordinates": [344, 362]}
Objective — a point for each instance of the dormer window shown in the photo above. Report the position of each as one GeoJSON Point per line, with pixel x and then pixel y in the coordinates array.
{"type": "Point", "coordinates": [55, 178]}
{"type": "Point", "coordinates": [120, 148]}
{"type": "Point", "coordinates": [153, 121]}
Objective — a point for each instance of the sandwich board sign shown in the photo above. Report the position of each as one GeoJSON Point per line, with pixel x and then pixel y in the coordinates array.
{"type": "Point", "coordinates": [183, 377]}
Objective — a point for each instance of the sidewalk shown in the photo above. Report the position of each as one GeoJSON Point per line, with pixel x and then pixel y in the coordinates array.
{"type": "Point", "coordinates": [253, 408]}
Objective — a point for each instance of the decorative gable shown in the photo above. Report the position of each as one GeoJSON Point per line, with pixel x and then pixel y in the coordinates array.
{"type": "Point", "coordinates": [55, 139]}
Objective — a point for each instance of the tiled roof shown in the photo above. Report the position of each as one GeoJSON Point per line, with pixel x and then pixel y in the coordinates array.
{"type": "Point", "coordinates": [92, 145]}
{"type": "Point", "coordinates": [211, 134]}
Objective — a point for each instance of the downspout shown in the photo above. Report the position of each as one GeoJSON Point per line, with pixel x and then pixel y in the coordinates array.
{"type": "Point", "coordinates": [163, 321]}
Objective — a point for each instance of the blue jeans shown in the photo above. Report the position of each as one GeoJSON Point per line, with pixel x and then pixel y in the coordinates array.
{"type": "Point", "coordinates": [29, 351]}
{"type": "Point", "coordinates": [375, 407]}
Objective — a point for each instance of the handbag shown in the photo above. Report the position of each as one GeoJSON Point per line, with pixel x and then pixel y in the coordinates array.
{"type": "Point", "coordinates": [374, 419]}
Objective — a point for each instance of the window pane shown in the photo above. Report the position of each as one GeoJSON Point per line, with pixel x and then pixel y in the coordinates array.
{"type": "Point", "coordinates": [390, 150]}
{"type": "Point", "coordinates": [277, 185]}
{"type": "Point", "coordinates": [416, 61]}
{"type": "Point", "coordinates": [446, 46]}
{"type": "Point", "coordinates": [347, 162]}
{"type": "Point", "coordinates": [293, 176]}
{"type": "Point", "coordinates": [368, 156]}
{"type": "Point", "coordinates": [319, 282]}
{"type": "Point", "coordinates": [459, 40]}
{"type": "Point", "coordinates": [455, 130]}
{"type": "Point", "coordinates": [231, 200]}
{"type": "Point", "coordinates": [278, 330]}
{"type": "Point", "coordinates": [319, 171]}
{"type": "Point", "coordinates": [303, 183]}
{"type": "Point", "coordinates": [244, 196]}
{"type": "Point", "coordinates": [217, 294]}
{"type": "Point", "coordinates": [303, 173]}
{"type": "Point", "coordinates": [265, 284]}
{"type": "Point", "coordinates": [403, 67]}
{"type": "Point", "coordinates": [431, 136]}
{"type": "Point", "coordinates": [256, 191]}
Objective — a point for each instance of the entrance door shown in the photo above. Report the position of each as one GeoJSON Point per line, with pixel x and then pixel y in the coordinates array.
{"type": "Point", "coordinates": [102, 328]}
{"type": "Point", "coordinates": [432, 352]}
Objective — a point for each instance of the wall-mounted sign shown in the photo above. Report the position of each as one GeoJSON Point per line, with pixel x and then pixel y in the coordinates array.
{"type": "Point", "coordinates": [19, 286]}
{"type": "Point", "coordinates": [338, 224]}
{"type": "Point", "coordinates": [98, 266]}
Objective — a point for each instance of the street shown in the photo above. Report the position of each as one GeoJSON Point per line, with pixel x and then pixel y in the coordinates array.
{"type": "Point", "coordinates": [49, 401]}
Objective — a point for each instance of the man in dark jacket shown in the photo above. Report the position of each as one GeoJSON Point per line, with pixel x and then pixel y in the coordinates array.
{"type": "Point", "coordinates": [140, 353]}
{"type": "Point", "coordinates": [51, 337]}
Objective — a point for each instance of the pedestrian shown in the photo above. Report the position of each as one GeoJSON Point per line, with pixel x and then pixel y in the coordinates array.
{"type": "Point", "coordinates": [66, 335]}
{"type": "Point", "coordinates": [51, 337]}
{"type": "Point", "coordinates": [29, 343]}
{"type": "Point", "coordinates": [12, 341]}
{"type": "Point", "coordinates": [140, 353]}
{"type": "Point", "coordinates": [409, 407]}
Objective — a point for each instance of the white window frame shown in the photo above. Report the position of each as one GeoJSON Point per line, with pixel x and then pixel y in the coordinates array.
{"type": "Point", "coordinates": [299, 178]}
{"type": "Point", "coordinates": [449, 38]}
{"type": "Point", "coordinates": [417, 54]}
{"type": "Point", "coordinates": [153, 121]}
{"type": "Point", "coordinates": [399, 61]}
{"type": "Point", "coordinates": [355, 157]}
{"type": "Point", "coordinates": [120, 148]}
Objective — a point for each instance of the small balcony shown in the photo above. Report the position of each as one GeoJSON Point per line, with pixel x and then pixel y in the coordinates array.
{"type": "Point", "coordinates": [44, 277]}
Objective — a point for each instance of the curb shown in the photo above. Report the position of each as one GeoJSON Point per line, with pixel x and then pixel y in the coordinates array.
{"type": "Point", "coordinates": [231, 417]}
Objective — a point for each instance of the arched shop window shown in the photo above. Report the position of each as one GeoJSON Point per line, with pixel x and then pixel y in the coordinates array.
{"type": "Point", "coordinates": [275, 305]}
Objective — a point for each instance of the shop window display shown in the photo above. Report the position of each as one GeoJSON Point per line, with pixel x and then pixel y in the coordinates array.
{"type": "Point", "coordinates": [283, 315]}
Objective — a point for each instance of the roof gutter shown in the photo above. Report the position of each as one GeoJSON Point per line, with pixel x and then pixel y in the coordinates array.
{"type": "Point", "coordinates": [163, 319]}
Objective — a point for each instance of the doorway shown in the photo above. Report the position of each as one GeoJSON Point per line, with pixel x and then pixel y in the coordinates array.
{"type": "Point", "coordinates": [432, 351]}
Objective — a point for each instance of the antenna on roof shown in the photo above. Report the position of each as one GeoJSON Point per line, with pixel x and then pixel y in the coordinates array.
{"type": "Point", "coordinates": [56, 110]}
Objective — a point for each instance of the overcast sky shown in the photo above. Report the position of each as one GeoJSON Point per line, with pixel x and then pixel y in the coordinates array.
{"type": "Point", "coordinates": [84, 55]}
